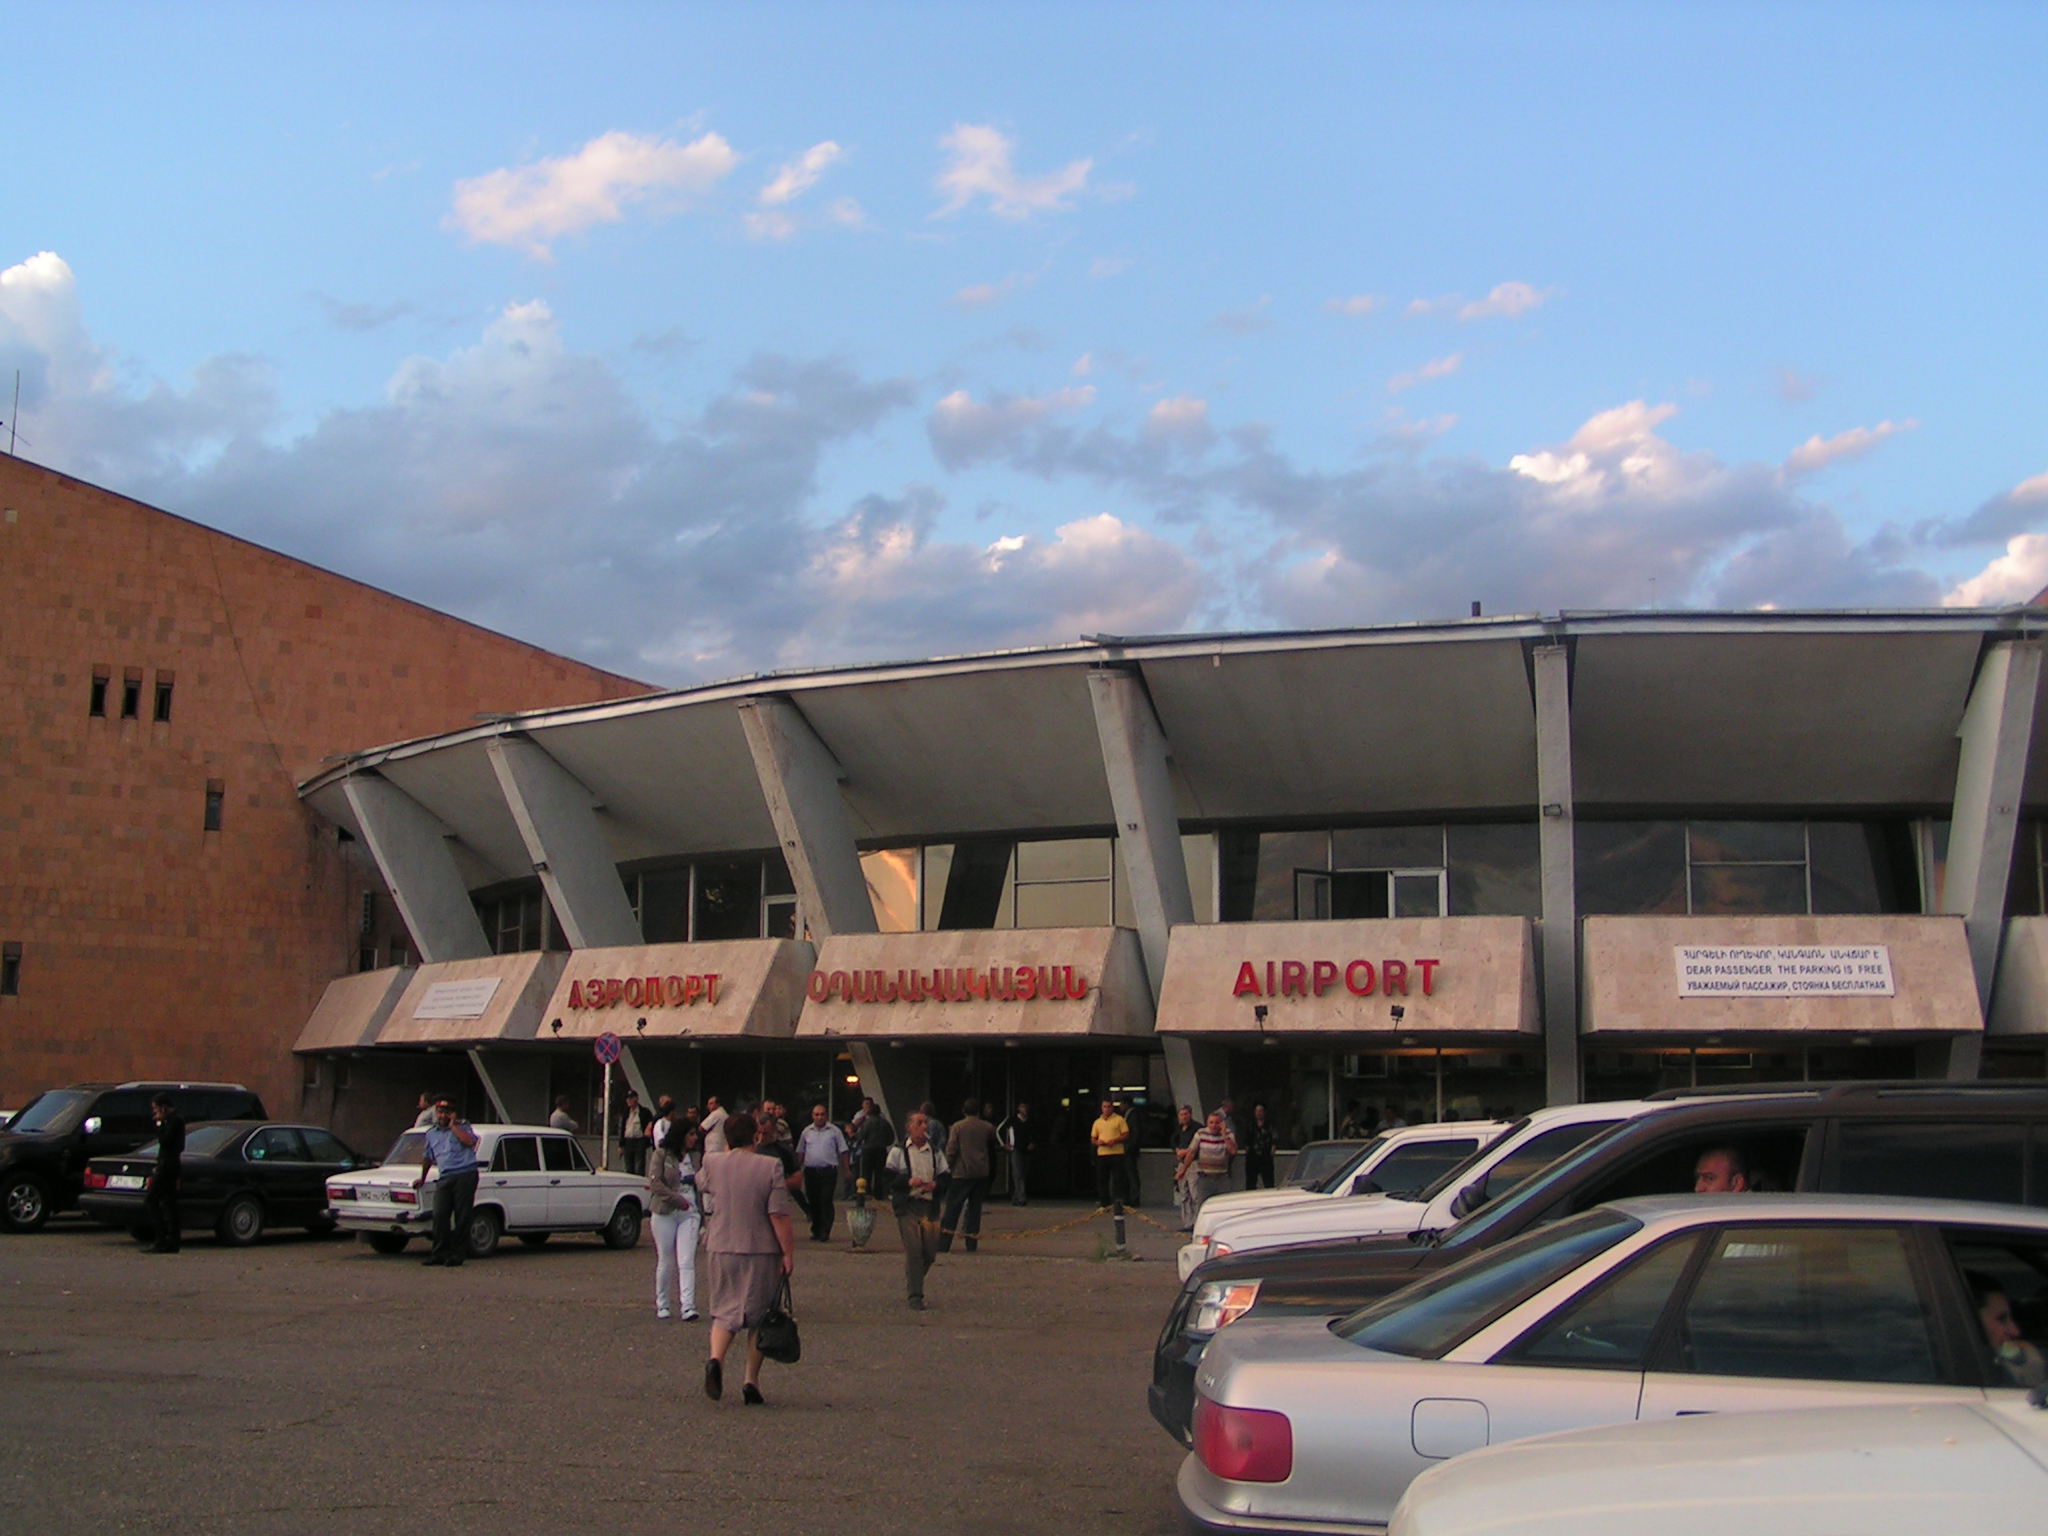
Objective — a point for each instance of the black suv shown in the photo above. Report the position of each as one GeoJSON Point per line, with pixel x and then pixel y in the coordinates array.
{"type": "Point", "coordinates": [1957, 1141]}
{"type": "Point", "coordinates": [44, 1149]}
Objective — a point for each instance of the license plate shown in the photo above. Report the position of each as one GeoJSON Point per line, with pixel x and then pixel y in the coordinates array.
{"type": "Point", "coordinates": [374, 1194]}
{"type": "Point", "coordinates": [124, 1181]}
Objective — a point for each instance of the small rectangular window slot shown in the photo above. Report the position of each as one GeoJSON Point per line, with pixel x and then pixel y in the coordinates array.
{"type": "Point", "coordinates": [131, 694]}
{"type": "Point", "coordinates": [161, 714]}
{"type": "Point", "coordinates": [10, 969]}
{"type": "Point", "coordinates": [216, 792]}
{"type": "Point", "coordinates": [96, 705]}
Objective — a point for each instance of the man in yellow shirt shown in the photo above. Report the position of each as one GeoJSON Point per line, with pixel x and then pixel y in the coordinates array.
{"type": "Point", "coordinates": [1109, 1133]}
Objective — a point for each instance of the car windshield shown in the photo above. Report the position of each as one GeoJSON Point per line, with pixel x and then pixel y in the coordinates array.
{"type": "Point", "coordinates": [58, 1110]}
{"type": "Point", "coordinates": [203, 1142]}
{"type": "Point", "coordinates": [1348, 1167]}
{"type": "Point", "coordinates": [1436, 1315]}
{"type": "Point", "coordinates": [1452, 1175]}
{"type": "Point", "coordinates": [409, 1148]}
{"type": "Point", "coordinates": [1536, 1190]}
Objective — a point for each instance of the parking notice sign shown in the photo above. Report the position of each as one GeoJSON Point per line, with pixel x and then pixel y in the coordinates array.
{"type": "Point", "coordinates": [1783, 970]}
{"type": "Point", "coordinates": [607, 1048]}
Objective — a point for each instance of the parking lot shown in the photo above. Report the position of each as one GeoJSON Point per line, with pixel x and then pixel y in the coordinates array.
{"type": "Point", "coordinates": [310, 1386]}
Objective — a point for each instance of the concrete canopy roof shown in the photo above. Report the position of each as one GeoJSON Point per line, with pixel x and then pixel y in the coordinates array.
{"type": "Point", "coordinates": [1775, 713]}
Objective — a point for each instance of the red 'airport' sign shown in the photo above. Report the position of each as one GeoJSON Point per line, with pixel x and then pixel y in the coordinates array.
{"type": "Point", "coordinates": [644, 991]}
{"type": "Point", "coordinates": [997, 984]}
{"type": "Point", "coordinates": [1312, 978]}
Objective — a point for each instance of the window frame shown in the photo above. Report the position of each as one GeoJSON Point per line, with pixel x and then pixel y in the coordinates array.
{"type": "Point", "coordinates": [1965, 1336]}
{"type": "Point", "coordinates": [1515, 1352]}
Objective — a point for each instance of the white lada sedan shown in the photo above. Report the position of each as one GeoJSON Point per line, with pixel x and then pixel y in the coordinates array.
{"type": "Point", "coordinates": [1891, 1471]}
{"type": "Point", "coordinates": [1643, 1309]}
{"type": "Point", "coordinates": [1394, 1164]}
{"type": "Point", "coordinates": [534, 1182]}
{"type": "Point", "coordinates": [1531, 1143]}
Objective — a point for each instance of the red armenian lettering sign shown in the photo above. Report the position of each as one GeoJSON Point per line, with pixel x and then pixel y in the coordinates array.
{"type": "Point", "coordinates": [644, 991]}
{"type": "Point", "coordinates": [1312, 978]}
{"type": "Point", "coordinates": [1007, 984]}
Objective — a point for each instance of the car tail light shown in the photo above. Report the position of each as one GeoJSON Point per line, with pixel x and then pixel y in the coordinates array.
{"type": "Point", "coordinates": [1243, 1445]}
{"type": "Point", "coordinates": [405, 1197]}
{"type": "Point", "coordinates": [341, 1192]}
{"type": "Point", "coordinates": [94, 1179]}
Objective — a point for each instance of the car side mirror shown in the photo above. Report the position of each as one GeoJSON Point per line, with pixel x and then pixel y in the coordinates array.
{"type": "Point", "coordinates": [92, 1125]}
{"type": "Point", "coordinates": [1364, 1185]}
{"type": "Point", "coordinates": [1470, 1198]}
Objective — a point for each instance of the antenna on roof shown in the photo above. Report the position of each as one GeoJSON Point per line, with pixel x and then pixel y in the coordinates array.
{"type": "Point", "coordinates": [14, 416]}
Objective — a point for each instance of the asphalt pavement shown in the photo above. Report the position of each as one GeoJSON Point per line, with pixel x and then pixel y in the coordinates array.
{"type": "Point", "coordinates": [311, 1386]}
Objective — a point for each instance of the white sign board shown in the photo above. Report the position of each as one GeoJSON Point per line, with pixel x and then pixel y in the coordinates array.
{"type": "Point", "coordinates": [457, 999]}
{"type": "Point", "coordinates": [1783, 970]}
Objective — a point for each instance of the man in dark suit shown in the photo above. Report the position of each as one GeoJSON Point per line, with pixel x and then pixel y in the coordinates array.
{"type": "Point", "coordinates": [162, 1200]}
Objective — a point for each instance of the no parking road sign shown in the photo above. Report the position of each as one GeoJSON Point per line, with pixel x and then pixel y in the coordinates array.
{"type": "Point", "coordinates": [607, 1048]}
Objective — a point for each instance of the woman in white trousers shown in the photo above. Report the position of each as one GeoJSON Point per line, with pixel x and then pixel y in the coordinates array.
{"type": "Point", "coordinates": [672, 1199]}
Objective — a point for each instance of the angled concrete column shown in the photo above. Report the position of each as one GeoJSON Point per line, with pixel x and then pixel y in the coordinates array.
{"type": "Point", "coordinates": [517, 1083]}
{"type": "Point", "coordinates": [800, 781]}
{"type": "Point", "coordinates": [411, 849]}
{"type": "Point", "coordinates": [1134, 754]}
{"type": "Point", "coordinates": [1559, 866]}
{"type": "Point", "coordinates": [897, 1077]}
{"type": "Point", "coordinates": [1996, 733]}
{"type": "Point", "coordinates": [558, 824]}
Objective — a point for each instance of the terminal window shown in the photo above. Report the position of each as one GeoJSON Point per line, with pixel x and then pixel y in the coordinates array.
{"type": "Point", "coordinates": [131, 694]}
{"type": "Point", "coordinates": [10, 969]}
{"type": "Point", "coordinates": [216, 794]}
{"type": "Point", "coordinates": [161, 713]}
{"type": "Point", "coordinates": [96, 702]}
{"type": "Point", "coordinates": [1741, 868]}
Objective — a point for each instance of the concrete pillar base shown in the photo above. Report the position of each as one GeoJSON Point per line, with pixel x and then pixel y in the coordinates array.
{"type": "Point", "coordinates": [1198, 1072]}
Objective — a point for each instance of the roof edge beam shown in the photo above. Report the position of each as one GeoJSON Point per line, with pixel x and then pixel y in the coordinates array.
{"type": "Point", "coordinates": [1996, 735]}
{"type": "Point", "coordinates": [1558, 855]}
{"type": "Point", "coordinates": [800, 781]}
{"type": "Point", "coordinates": [410, 846]}
{"type": "Point", "coordinates": [557, 822]}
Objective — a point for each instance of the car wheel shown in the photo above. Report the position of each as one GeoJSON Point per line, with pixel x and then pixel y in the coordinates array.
{"type": "Point", "coordinates": [24, 1204]}
{"type": "Point", "coordinates": [242, 1222]}
{"type": "Point", "coordinates": [387, 1242]}
{"type": "Point", "coordinates": [534, 1239]}
{"type": "Point", "coordinates": [484, 1231]}
{"type": "Point", "coordinates": [623, 1230]}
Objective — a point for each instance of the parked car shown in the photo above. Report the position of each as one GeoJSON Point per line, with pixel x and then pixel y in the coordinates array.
{"type": "Point", "coordinates": [1396, 1165]}
{"type": "Point", "coordinates": [1487, 1172]}
{"type": "Point", "coordinates": [1649, 1308]}
{"type": "Point", "coordinates": [237, 1179]}
{"type": "Point", "coordinates": [535, 1182]}
{"type": "Point", "coordinates": [1981, 1141]}
{"type": "Point", "coordinates": [45, 1148]}
{"type": "Point", "coordinates": [1318, 1160]}
{"type": "Point", "coordinates": [1889, 1471]}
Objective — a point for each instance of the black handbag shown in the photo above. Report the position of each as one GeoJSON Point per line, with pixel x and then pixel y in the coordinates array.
{"type": "Point", "coordinates": [777, 1338]}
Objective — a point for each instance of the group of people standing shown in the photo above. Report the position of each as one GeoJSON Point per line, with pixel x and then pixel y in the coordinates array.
{"type": "Point", "coordinates": [1205, 1150]}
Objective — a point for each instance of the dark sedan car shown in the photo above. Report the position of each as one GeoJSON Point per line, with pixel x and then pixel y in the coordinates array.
{"type": "Point", "coordinates": [239, 1180]}
{"type": "Point", "coordinates": [1986, 1141]}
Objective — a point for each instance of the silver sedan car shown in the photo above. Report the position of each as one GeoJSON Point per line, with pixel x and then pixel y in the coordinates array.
{"type": "Point", "coordinates": [1643, 1309]}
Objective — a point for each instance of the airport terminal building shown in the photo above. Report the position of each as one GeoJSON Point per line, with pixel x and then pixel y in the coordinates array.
{"type": "Point", "coordinates": [1428, 869]}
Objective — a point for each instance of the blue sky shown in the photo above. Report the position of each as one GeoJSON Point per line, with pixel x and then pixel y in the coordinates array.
{"type": "Point", "coordinates": [694, 341]}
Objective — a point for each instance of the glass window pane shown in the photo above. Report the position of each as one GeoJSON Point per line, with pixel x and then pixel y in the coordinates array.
{"type": "Point", "coordinates": [938, 865]}
{"type": "Point", "coordinates": [1124, 912]}
{"type": "Point", "coordinates": [1407, 1169]}
{"type": "Point", "coordinates": [1537, 1153]}
{"type": "Point", "coordinates": [1237, 857]}
{"type": "Point", "coordinates": [325, 1147]}
{"type": "Point", "coordinates": [892, 888]}
{"type": "Point", "coordinates": [1418, 896]}
{"type": "Point", "coordinates": [1611, 1328]}
{"type": "Point", "coordinates": [1956, 1161]}
{"type": "Point", "coordinates": [1820, 1303]}
{"type": "Point", "coordinates": [779, 918]}
{"type": "Point", "coordinates": [517, 1154]}
{"type": "Point", "coordinates": [1847, 857]}
{"type": "Point", "coordinates": [729, 900]}
{"type": "Point", "coordinates": [977, 885]}
{"type": "Point", "coordinates": [1354, 893]}
{"type": "Point", "coordinates": [578, 1163]}
{"type": "Point", "coordinates": [1313, 897]}
{"type": "Point", "coordinates": [776, 879]}
{"type": "Point", "coordinates": [1076, 904]}
{"type": "Point", "coordinates": [1078, 858]}
{"type": "Point", "coordinates": [1495, 871]}
{"type": "Point", "coordinates": [1748, 842]}
{"type": "Point", "coordinates": [1733, 889]}
{"type": "Point", "coordinates": [665, 906]}
{"type": "Point", "coordinates": [1631, 866]}
{"type": "Point", "coordinates": [555, 1152]}
{"type": "Point", "coordinates": [1387, 848]}
{"type": "Point", "coordinates": [1280, 855]}
{"type": "Point", "coordinates": [529, 920]}
{"type": "Point", "coordinates": [275, 1144]}
{"type": "Point", "coordinates": [2008, 1281]}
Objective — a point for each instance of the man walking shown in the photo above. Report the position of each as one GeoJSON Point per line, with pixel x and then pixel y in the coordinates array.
{"type": "Point", "coordinates": [915, 1169]}
{"type": "Point", "coordinates": [451, 1147]}
{"type": "Point", "coordinates": [876, 1137]}
{"type": "Point", "coordinates": [1108, 1135]}
{"type": "Point", "coordinates": [1258, 1151]}
{"type": "Point", "coordinates": [822, 1150]}
{"type": "Point", "coordinates": [162, 1200]}
{"type": "Point", "coordinates": [633, 1128]}
{"type": "Point", "coordinates": [1208, 1158]}
{"type": "Point", "coordinates": [1020, 1140]}
{"type": "Point", "coordinates": [971, 1154]}
{"type": "Point", "coordinates": [714, 1127]}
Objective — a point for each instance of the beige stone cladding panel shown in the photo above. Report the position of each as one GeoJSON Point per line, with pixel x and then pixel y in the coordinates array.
{"type": "Point", "coordinates": [1484, 981]}
{"type": "Point", "coordinates": [1631, 977]}
{"type": "Point", "coordinates": [2019, 1003]}
{"type": "Point", "coordinates": [353, 1009]}
{"type": "Point", "coordinates": [760, 990]}
{"type": "Point", "coordinates": [1117, 1003]}
{"type": "Point", "coordinates": [525, 984]}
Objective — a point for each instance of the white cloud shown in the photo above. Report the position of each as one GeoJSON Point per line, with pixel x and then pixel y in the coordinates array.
{"type": "Point", "coordinates": [527, 206]}
{"type": "Point", "coordinates": [1242, 322]}
{"type": "Point", "coordinates": [1419, 307]}
{"type": "Point", "coordinates": [1795, 387]}
{"type": "Point", "coordinates": [1615, 449]}
{"type": "Point", "coordinates": [1817, 453]}
{"type": "Point", "coordinates": [1357, 306]}
{"type": "Point", "coordinates": [2016, 576]}
{"type": "Point", "coordinates": [1505, 302]}
{"type": "Point", "coordinates": [982, 295]}
{"type": "Point", "coordinates": [798, 176]}
{"type": "Point", "coordinates": [1084, 365]}
{"type": "Point", "coordinates": [963, 429]}
{"type": "Point", "coordinates": [978, 167]}
{"type": "Point", "coordinates": [1183, 420]}
{"type": "Point", "coordinates": [1435, 368]}
{"type": "Point", "coordinates": [1108, 266]}
{"type": "Point", "coordinates": [846, 212]}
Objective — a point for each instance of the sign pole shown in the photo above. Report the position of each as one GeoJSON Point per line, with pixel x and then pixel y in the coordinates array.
{"type": "Point", "coordinates": [604, 1128]}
